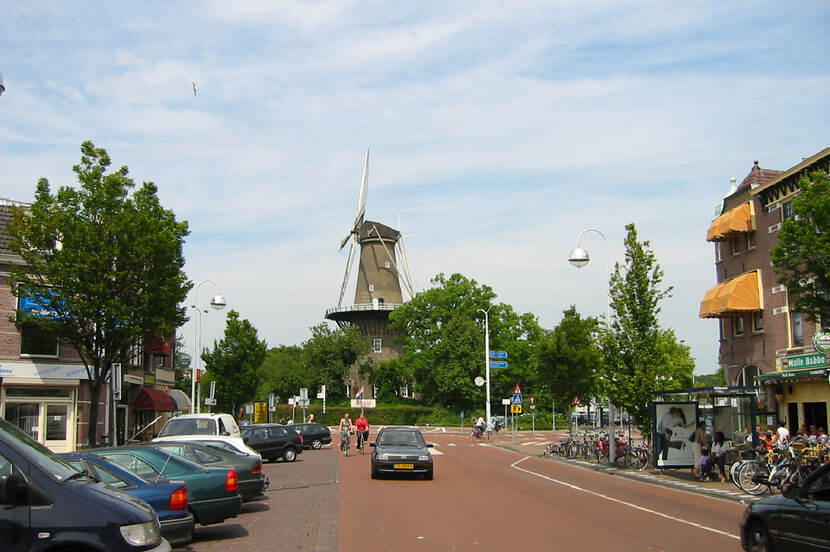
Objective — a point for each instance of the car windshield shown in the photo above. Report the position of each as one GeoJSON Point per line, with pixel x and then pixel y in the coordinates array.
{"type": "Point", "coordinates": [402, 439]}
{"type": "Point", "coordinates": [189, 426]}
{"type": "Point", "coordinates": [47, 460]}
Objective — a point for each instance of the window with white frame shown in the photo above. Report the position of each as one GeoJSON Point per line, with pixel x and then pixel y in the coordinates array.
{"type": "Point", "coordinates": [738, 325]}
{"type": "Point", "coordinates": [377, 345]}
{"type": "Point", "coordinates": [750, 239]}
{"type": "Point", "coordinates": [758, 321]}
{"type": "Point", "coordinates": [37, 341]}
{"type": "Point", "coordinates": [797, 323]}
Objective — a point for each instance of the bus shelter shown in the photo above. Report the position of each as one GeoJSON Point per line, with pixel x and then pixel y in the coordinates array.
{"type": "Point", "coordinates": [676, 413]}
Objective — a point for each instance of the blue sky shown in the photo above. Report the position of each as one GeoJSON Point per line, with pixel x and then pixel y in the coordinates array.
{"type": "Point", "coordinates": [498, 131]}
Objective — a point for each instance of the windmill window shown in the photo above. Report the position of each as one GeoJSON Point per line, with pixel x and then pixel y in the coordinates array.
{"type": "Point", "coordinates": [377, 345]}
{"type": "Point", "coordinates": [371, 287]}
{"type": "Point", "coordinates": [387, 264]}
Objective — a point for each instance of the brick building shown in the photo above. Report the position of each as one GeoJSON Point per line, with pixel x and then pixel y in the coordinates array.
{"type": "Point", "coordinates": [762, 341]}
{"type": "Point", "coordinates": [44, 385]}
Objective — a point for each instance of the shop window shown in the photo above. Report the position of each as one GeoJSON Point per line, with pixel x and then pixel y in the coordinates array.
{"type": "Point", "coordinates": [758, 321]}
{"type": "Point", "coordinates": [26, 416]}
{"type": "Point", "coordinates": [377, 345]}
{"type": "Point", "coordinates": [37, 341]}
{"type": "Point", "coordinates": [797, 328]}
{"type": "Point", "coordinates": [738, 325]}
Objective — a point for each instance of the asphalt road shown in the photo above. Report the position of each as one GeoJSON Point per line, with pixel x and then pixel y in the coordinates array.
{"type": "Point", "coordinates": [482, 498]}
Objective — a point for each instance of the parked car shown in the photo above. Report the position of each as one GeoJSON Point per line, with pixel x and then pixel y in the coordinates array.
{"type": "Point", "coordinates": [248, 467]}
{"type": "Point", "coordinates": [46, 504]}
{"type": "Point", "coordinates": [401, 450]}
{"type": "Point", "coordinates": [314, 435]}
{"type": "Point", "coordinates": [273, 441]}
{"type": "Point", "coordinates": [224, 442]}
{"type": "Point", "coordinates": [213, 493]}
{"type": "Point", "coordinates": [798, 519]}
{"type": "Point", "coordinates": [168, 498]}
{"type": "Point", "coordinates": [200, 424]}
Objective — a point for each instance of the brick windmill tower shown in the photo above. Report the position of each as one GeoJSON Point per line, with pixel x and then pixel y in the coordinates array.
{"type": "Point", "coordinates": [381, 271]}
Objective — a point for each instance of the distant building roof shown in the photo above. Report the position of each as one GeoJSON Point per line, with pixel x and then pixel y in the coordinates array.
{"type": "Point", "coordinates": [5, 219]}
{"type": "Point", "coordinates": [758, 177]}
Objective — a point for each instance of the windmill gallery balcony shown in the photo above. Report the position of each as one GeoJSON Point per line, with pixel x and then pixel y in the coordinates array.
{"type": "Point", "coordinates": [362, 316]}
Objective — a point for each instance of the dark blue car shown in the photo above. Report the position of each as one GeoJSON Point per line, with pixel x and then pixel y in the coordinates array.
{"type": "Point", "coordinates": [168, 498]}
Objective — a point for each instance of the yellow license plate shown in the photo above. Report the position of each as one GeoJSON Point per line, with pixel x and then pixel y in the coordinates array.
{"type": "Point", "coordinates": [404, 466]}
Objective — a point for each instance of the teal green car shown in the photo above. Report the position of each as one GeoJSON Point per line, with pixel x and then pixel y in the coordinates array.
{"type": "Point", "coordinates": [212, 493]}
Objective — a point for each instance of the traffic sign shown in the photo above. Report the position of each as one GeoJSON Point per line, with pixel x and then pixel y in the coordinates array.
{"type": "Point", "coordinates": [517, 399]}
{"type": "Point", "coordinates": [505, 402]}
{"type": "Point", "coordinates": [515, 409]}
{"type": "Point", "coordinates": [498, 364]}
{"type": "Point", "coordinates": [210, 402]}
{"type": "Point", "coordinates": [517, 390]}
{"type": "Point", "coordinates": [498, 354]}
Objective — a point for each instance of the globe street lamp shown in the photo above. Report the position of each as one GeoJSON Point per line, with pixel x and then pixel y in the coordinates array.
{"type": "Point", "coordinates": [218, 303]}
{"type": "Point", "coordinates": [2, 88]}
{"type": "Point", "coordinates": [579, 257]}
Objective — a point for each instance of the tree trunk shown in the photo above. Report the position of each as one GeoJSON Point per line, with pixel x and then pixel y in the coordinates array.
{"type": "Point", "coordinates": [94, 396]}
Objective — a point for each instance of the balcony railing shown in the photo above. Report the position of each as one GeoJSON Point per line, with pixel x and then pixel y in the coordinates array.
{"type": "Point", "coordinates": [364, 307]}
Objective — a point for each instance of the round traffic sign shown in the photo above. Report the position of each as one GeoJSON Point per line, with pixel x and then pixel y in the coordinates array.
{"type": "Point", "coordinates": [479, 381]}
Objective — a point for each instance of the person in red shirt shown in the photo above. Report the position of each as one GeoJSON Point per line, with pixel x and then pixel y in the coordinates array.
{"type": "Point", "coordinates": [362, 427]}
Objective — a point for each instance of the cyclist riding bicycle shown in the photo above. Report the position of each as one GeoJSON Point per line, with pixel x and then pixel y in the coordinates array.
{"type": "Point", "coordinates": [361, 426]}
{"type": "Point", "coordinates": [345, 430]}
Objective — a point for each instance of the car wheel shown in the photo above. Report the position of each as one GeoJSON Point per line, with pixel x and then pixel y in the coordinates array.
{"type": "Point", "coordinates": [757, 538]}
{"type": "Point", "coordinates": [289, 455]}
{"type": "Point", "coordinates": [316, 444]}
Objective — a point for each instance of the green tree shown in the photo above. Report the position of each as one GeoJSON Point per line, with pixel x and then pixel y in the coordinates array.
{"type": "Point", "coordinates": [568, 360]}
{"type": "Point", "coordinates": [442, 336]}
{"type": "Point", "coordinates": [182, 368]}
{"type": "Point", "coordinates": [711, 380]}
{"type": "Point", "coordinates": [329, 354]}
{"type": "Point", "coordinates": [802, 255]}
{"type": "Point", "coordinates": [632, 344]}
{"type": "Point", "coordinates": [105, 265]}
{"type": "Point", "coordinates": [235, 362]}
{"type": "Point", "coordinates": [675, 362]}
{"type": "Point", "coordinates": [284, 372]}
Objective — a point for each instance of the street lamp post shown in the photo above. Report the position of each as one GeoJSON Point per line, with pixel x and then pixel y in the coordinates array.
{"type": "Point", "coordinates": [218, 303]}
{"type": "Point", "coordinates": [579, 257]}
{"type": "Point", "coordinates": [487, 361]}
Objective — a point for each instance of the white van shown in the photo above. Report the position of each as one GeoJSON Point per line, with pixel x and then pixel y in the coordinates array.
{"type": "Point", "coordinates": [199, 427]}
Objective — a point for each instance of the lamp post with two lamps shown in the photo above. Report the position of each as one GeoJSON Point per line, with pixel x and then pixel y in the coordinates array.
{"type": "Point", "coordinates": [579, 257]}
{"type": "Point", "coordinates": [218, 303]}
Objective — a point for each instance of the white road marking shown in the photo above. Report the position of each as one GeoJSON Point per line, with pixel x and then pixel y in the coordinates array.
{"type": "Point", "coordinates": [515, 465]}
{"type": "Point", "coordinates": [435, 452]}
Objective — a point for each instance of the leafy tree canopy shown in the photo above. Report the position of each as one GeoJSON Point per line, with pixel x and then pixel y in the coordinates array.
{"type": "Point", "coordinates": [442, 337]}
{"type": "Point", "coordinates": [568, 360]}
{"type": "Point", "coordinates": [234, 363]}
{"type": "Point", "coordinates": [802, 256]}
{"type": "Point", "coordinates": [329, 354]}
{"type": "Point", "coordinates": [103, 262]}
{"type": "Point", "coordinates": [634, 348]}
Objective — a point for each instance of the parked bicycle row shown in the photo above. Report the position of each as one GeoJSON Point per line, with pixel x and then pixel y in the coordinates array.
{"type": "Point", "coordinates": [595, 446]}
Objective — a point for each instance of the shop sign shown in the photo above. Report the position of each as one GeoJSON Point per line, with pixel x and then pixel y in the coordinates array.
{"type": "Point", "coordinates": [821, 341]}
{"type": "Point", "coordinates": [806, 361]}
{"type": "Point", "coordinates": [149, 379]}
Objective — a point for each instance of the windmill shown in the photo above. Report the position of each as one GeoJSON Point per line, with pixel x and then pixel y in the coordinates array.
{"type": "Point", "coordinates": [382, 279]}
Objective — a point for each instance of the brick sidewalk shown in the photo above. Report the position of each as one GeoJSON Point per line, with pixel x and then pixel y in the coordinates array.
{"type": "Point", "coordinates": [683, 479]}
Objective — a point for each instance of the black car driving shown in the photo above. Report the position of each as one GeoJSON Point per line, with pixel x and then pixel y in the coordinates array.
{"type": "Point", "coordinates": [401, 450]}
{"type": "Point", "coordinates": [798, 519]}
{"type": "Point", "coordinates": [273, 441]}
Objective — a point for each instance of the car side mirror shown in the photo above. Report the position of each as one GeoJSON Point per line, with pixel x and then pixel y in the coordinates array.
{"type": "Point", "coordinates": [13, 489]}
{"type": "Point", "coordinates": [226, 434]}
{"type": "Point", "coordinates": [430, 445]}
{"type": "Point", "coordinates": [246, 440]}
{"type": "Point", "coordinates": [373, 444]}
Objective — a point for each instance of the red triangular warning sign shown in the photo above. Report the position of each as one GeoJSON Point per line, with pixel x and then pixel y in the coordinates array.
{"type": "Point", "coordinates": [518, 390]}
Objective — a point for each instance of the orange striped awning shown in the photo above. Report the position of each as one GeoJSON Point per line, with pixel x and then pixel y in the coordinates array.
{"type": "Point", "coordinates": [739, 294]}
{"type": "Point", "coordinates": [739, 219]}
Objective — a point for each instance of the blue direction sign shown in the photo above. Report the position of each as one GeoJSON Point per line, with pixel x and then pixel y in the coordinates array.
{"type": "Point", "coordinates": [498, 354]}
{"type": "Point", "coordinates": [498, 364]}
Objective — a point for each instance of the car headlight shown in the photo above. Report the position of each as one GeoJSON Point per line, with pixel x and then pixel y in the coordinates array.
{"type": "Point", "coordinates": [424, 458]}
{"type": "Point", "coordinates": [383, 456]}
{"type": "Point", "coordinates": [141, 534]}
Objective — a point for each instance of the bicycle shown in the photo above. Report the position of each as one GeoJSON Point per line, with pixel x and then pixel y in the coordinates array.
{"type": "Point", "coordinates": [361, 443]}
{"type": "Point", "coordinates": [344, 442]}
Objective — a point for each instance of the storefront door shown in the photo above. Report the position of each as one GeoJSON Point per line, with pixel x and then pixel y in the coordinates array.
{"type": "Point", "coordinates": [46, 414]}
{"type": "Point", "coordinates": [815, 414]}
